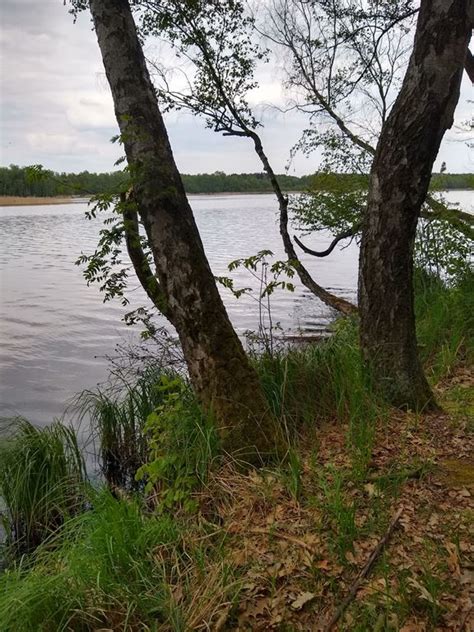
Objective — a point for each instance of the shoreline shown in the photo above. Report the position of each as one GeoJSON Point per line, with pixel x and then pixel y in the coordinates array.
{"type": "Point", "coordinates": [16, 200]}
{"type": "Point", "coordinates": [7, 200]}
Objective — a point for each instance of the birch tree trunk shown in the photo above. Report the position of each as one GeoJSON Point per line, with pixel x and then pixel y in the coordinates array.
{"type": "Point", "coordinates": [399, 180]}
{"type": "Point", "coordinates": [219, 369]}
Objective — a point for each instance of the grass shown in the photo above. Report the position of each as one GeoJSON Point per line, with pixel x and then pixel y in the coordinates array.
{"type": "Point", "coordinates": [101, 573]}
{"type": "Point", "coordinates": [319, 381]}
{"type": "Point", "coordinates": [42, 479]}
{"type": "Point", "coordinates": [117, 420]}
{"type": "Point", "coordinates": [339, 511]}
{"type": "Point", "coordinates": [445, 322]}
{"type": "Point", "coordinates": [173, 546]}
{"type": "Point", "coordinates": [325, 382]}
{"type": "Point", "coordinates": [115, 567]}
{"type": "Point", "coordinates": [182, 442]}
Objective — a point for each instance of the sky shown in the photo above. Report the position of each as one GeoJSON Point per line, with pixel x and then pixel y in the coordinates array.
{"type": "Point", "coordinates": [56, 108]}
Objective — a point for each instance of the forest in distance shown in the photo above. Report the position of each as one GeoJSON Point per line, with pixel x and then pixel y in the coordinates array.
{"type": "Point", "coordinates": [21, 182]}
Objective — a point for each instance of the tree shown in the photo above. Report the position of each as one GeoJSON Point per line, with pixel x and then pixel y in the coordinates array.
{"type": "Point", "coordinates": [338, 54]}
{"type": "Point", "coordinates": [344, 65]}
{"type": "Point", "coordinates": [399, 180]}
{"type": "Point", "coordinates": [344, 61]}
{"type": "Point", "coordinates": [217, 38]}
{"type": "Point", "coordinates": [183, 288]}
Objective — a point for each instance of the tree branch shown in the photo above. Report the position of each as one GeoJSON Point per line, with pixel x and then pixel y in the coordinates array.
{"type": "Point", "coordinates": [327, 627]}
{"type": "Point", "coordinates": [324, 253]}
{"type": "Point", "coordinates": [246, 130]}
{"type": "Point", "coordinates": [336, 302]}
{"type": "Point", "coordinates": [144, 273]}
{"type": "Point", "coordinates": [460, 220]}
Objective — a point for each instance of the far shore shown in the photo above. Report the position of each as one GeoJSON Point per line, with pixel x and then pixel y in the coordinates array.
{"type": "Point", "coordinates": [13, 200]}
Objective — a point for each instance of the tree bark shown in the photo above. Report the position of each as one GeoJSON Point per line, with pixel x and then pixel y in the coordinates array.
{"type": "Point", "coordinates": [407, 148]}
{"type": "Point", "coordinates": [220, 371]}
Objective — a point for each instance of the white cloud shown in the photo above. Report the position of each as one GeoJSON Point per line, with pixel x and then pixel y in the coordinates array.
{"type": "Point", "coordinates": [94, 110]}
{"type": "Point", "coordinates": [56, 109]}
{"type": "Point", "coordinates": [46, 143]}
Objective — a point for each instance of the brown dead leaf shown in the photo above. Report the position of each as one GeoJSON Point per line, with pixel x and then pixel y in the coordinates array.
{"type": "Point", "coordinates": [177, 593]}
{"type": "Point", "coordinates": [413, 627]}
{"type": "Point", "coordinates": [323, 565]}
{"type": "Point", "coordinates": [422, 591]}
{"type": "Point", "coordinates": [302, 600]}
{"type": "Point", "coordinates": [307, 559]}
{"type": "Point", "coordinates": [467, 577]}
{"type": "Point", "coordinates": [453, 559]}
{"type": "Point", "coordinates": [370, 489]}
{"type": "Point", "coordinates": [256, 609]}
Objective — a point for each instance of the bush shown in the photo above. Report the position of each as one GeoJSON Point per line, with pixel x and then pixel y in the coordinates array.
{"type": "Point", "coordinates": [182, 443]}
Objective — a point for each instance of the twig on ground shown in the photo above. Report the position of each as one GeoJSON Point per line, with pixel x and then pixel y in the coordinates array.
{"type": "Point", "coordinates": [282, 536]}
{"type": "Point", "coordinates": [327, 627]}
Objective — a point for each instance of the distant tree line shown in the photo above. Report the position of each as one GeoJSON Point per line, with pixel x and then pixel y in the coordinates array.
{"type": "Point", "coordinates": [20, 181]}
{"type": "Point", "coordinates": [353, 181]}
{"type": "Point", "coordinates": [447, 181]}
{"type": "Point", "coordinates": [25, 181]}
{"type": "Point", "coordinates": [219, 182]}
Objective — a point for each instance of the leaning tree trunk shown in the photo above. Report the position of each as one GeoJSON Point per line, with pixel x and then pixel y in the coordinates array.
{"type": "Point", "coordinates": [185, 290]}
{"type": "Point", "coordinates": [399, 181]}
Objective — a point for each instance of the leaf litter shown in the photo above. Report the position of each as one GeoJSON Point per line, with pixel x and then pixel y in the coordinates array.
{"type": "Point", "coordinates": [297, 560]}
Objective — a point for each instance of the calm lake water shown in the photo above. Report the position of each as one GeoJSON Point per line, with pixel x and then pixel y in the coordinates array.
{"type": "Point", "coordinates": [56, 333]}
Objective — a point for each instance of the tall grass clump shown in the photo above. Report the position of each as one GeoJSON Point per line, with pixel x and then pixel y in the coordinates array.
{"type": "Point", "coordinates": [42, 479]}
{"type": "Point", "coordinates": [445, 322]}
{"type": "Point", "coordinates": [152, 435]}
{"type": "Point", "coordinates": [325, 381]}
{"type": "Point", "coordinates": [339, 511]}
{"type": "Point", "coordinates": [319, 381]}
{"type": "Point", "coordinates": [101, 573]}
{"type": "Point", "coordinates": [117, 419]}
{"type": "Point", "coordinates": [117, 567]}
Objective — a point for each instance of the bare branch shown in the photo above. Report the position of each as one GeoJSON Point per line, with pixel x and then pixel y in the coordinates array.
{"type": "Point", "coordinates": [324, 253]}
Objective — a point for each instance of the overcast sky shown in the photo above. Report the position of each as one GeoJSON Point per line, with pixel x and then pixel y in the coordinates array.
{"type": "Point", "coordinates": [56, 108]}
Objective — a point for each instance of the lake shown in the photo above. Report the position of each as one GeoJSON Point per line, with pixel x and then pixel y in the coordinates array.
{"type": "Point", "coordinates": [56, 333]}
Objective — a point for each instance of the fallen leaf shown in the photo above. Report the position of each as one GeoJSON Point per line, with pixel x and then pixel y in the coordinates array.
{"type": "Point", "coordinates": [370, 489]}
{"type": "Point", "coordinates": [453, 559]}
{"type": "Point", "coordinates": [423, 592]}
{"type": "Point", "coordinates": [322, 565]}
{"type": "Point", "coordinates": [413, 627]}
{"type": "Point", "coordinates": [303, 599]}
